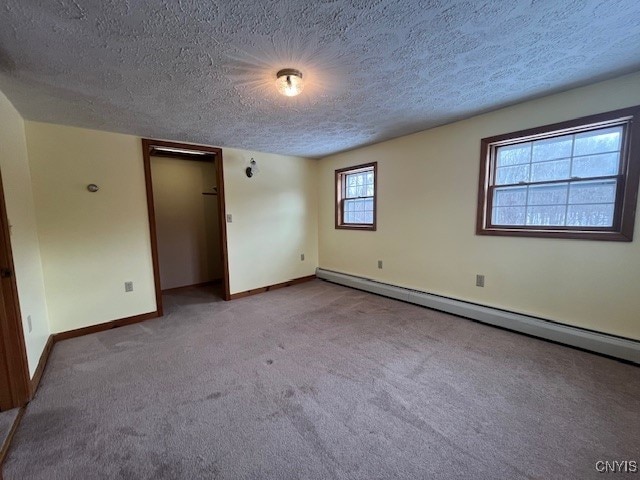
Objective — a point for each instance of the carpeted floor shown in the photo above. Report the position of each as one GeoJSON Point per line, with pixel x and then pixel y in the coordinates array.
{"type": "Point", "coordinates": [318, 381]}
{"type": "Point", "coordinates": [6, 422]}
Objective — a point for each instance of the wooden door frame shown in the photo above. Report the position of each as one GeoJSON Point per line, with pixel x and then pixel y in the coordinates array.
{"type": "Point", "coordinates": [14, 379]}
{"type": "Point", "coordinates": [216, 153]}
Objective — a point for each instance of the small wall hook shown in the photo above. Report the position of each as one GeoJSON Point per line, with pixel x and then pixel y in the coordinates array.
{"type": "Point", "coordinates": [92, 187]}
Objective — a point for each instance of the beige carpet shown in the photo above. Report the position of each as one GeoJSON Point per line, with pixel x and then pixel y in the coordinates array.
{"type": "Point", "coordinates": [319, 381]}
{"type": "Point", "coordinates": [6, 423]}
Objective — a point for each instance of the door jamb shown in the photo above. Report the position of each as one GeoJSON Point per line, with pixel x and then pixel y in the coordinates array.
{"type": "Point", "coordinates": [13, 358]}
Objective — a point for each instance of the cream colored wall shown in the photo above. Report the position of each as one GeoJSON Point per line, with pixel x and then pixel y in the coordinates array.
{"type": "Point", "coordinates": [187, 225]}
{"type": "Point", "coordinates": [91, 243]}
{"type": "Point", "coordinates": [427, 186]}
{"type": "Point", "coordinates": [274, 218]}
{"type": "Point", "coordinates": [16, 180]}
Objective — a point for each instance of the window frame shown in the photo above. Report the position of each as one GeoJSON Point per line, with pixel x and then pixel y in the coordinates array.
{"type": "Point", "coordinates": [627, 178]}
{"type": "Point", "coordinates": [340, 186]}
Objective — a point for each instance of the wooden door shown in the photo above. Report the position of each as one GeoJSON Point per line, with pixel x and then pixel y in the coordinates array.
{"type": "Point", "coordinates": [14, 371]}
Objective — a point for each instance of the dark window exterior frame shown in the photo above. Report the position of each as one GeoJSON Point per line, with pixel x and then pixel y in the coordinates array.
{"type": "Point", "coordinates": [340, 177]}
{"type": "Point", "coordinates": [626, 180]}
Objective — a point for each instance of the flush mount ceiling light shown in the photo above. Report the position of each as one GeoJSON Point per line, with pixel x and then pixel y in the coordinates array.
{"type": "Point", "coordinates": [289, 82]}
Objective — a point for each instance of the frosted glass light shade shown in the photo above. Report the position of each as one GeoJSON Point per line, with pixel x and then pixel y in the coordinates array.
{"type": "Point", "coordinates": [289, 82]}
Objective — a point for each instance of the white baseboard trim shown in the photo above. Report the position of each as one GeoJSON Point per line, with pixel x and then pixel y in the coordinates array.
{"type": "Point", "coordinates": [618, 347]}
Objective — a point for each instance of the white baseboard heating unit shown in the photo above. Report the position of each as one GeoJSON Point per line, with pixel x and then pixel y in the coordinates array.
{"type": "Point", "coordinates": [618, 347]}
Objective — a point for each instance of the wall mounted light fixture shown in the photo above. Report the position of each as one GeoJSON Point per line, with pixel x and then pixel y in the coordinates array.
{"type": "Point", "coordinates": [252, 168]}
{"type": "Point", "coordinates": [289, 82]}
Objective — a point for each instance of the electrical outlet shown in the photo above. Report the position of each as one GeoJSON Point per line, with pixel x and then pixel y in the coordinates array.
{"type": "Point", "coordinates": [128, 286]}
{"type": "Point", "coordinates": [302, 257]}
{"type": "Point", "coordinates": [29, 323]}
{"type": "Point", "coordinates": [379, 263]}
{"type": "Point", "coordinates": [229, 218]}
{"type": "Point", "coordinates": [479, 280]}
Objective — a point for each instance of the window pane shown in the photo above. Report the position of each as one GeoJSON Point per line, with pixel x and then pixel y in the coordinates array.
{"type": "Point", "coordinates": [358, 211]}
{"type": "Point", "coordinates": [593, 192]}
{"type": "Point", "coordinates": [508, 215]}
{"type": "Point", "coordinates": [510, 196]}
{"type": "Point", "coordinates": [348, 205]}
{"type": "Point", "coordinates": [552, 148]}
{"type": "Point", "coordinates": [368, 204]}
{"type": "Point", "coordinates": [514, 154]}
{"type": "Point", "coordinates": [546, 215]}
{"type": "Point", "coordinates": [588, 215]}
{"type": "Point", "coordinates": [548, 194]}
{"type": "Point", "coordinates": [598, 141]}
{"type": "Point", "coordinates": [508, 175]}
{"type": "Point", "coordinates": [596, 165]}
{"type": "Point", "coordinates": [359, 184]}
{"type": "Point", "coordinates": [556, 170]}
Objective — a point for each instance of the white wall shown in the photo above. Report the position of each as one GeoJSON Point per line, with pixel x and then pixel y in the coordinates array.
{"type": "Point", "coordinates": [187, 225]}
{"type": "Point", "coordinates": [274, 218]}
{"type": "Point", "coordinates": [428, 186]}
{"type": "Point", "coordinates": [91, 243]}
{"type": "Point", "coordinates": [16, 180]}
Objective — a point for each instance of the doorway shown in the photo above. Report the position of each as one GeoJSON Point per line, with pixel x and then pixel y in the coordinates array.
{"type": "Point", "coordinates": [185, 198]}
{"type": "Point", "coordinates": [14, 371]}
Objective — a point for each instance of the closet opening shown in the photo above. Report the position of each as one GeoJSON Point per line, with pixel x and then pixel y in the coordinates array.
{"type": "Point", "coordinates": [185, 198]}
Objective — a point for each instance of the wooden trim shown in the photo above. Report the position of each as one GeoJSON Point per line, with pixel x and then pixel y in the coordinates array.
{"type": "Point", "coordinates": [222, 218]}
{"type": "Point", "coordinates": [347, 226]}
{"type": "Point", "coordinates": [186, 287]}
{"type": "Point", "coordinates": [628, 178]}
{"type": "Point", "coordinates": [146, 149]}
{"type": "Point", "coordinates": [42, 364]}
{"type": "Point", "coordinates": [339, 197]}
{"type": "Point", "coordinates": [4, 449]}
{"type": "Point", "coordinates": [216, 157]}
{"type": "Point", "coordinates": [632, 183]}
{"type": "Point", "coordinates": [276, 286]}
{"type": "Point", "coordinates": [13, 352]}
{"type": "Point", "coordinates": [101, 327]}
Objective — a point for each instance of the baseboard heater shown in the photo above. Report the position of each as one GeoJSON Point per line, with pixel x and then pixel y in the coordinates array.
{"type": "Point", "coordinates": [611, 345]}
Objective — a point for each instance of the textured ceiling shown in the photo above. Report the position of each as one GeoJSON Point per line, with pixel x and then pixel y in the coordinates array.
{"type": "Point", "coordinates": [204, 70]}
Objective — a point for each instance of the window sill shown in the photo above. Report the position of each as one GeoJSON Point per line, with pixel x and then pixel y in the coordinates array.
{"type": "Point", "coordinates": [566, 234]}
{"type": "Point", "coordinates": [370, 228]}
